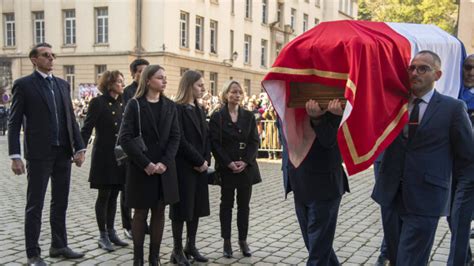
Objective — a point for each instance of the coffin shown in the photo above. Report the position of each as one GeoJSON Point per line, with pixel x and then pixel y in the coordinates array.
{"type": "Point", "coordinates": [301, 92]}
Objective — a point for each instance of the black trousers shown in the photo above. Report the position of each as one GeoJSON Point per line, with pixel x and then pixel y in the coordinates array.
{"type": "Point", "coordinates": [243, 210]}
{"type": "Point", "coordinates": [56, 165]}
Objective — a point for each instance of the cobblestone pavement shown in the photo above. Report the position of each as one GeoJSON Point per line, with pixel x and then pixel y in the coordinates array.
{"type": "Point", "coordinates": [274, 233]}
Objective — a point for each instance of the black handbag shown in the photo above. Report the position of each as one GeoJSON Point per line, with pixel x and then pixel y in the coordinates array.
{"type": "Point", "coordinates": [120, 154]}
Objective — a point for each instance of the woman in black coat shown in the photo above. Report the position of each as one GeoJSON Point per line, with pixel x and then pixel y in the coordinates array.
{"type": "Point", "coordinates": [191, 162]}
{"type": "Point", "coordinates": [234, 141]}
{"type": "Point", "coordinates": [151, 176]}
{"type": "Point", "coordinates": [105, 115]}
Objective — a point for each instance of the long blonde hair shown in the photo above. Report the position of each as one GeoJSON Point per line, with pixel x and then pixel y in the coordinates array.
{"type": "Point", "coordinates": [185, 92]}
{"type": "Point", "coordinates": [147, 73]}
{"type": "Point", "coordinates": [226, 89]}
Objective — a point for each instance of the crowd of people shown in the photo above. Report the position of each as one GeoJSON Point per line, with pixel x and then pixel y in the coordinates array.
{"type": "Point", "coordinates": [168, 144]}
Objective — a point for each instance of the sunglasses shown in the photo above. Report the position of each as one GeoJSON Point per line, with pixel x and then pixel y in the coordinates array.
{"type": "Point", "coordinates": [48, 55]}
{"type": "Point", "coordinates": [422, 69]}
{"type": "Point", "coordinates": [468, 67]}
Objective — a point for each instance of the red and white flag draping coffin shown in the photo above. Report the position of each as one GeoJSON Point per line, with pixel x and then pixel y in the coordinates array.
{"type": "Point", "coordinates": [369, 60]}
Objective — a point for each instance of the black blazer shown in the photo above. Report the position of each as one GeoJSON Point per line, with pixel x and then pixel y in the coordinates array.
{"type": "Point", "coordinates": [105, 115]}
{"type": "Point", "coordinates": [227, 138]}
{"type": "Point", "coordinates": [30, 105]}
{"type": "Point", "coordinates": [129, 92]}
{"type": "Point", "coordinates": [194, 149]}
{"type": "Point", "coordinates": [162, 141]}
{"type": "Point", "coordinates": [320, 176]}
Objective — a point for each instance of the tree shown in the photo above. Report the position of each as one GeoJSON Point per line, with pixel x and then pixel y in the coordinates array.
{"type": "Point", "coordinates": [442, 13]}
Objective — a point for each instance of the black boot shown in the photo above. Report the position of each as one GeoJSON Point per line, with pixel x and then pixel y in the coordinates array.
{"type": "Point", "coordinates": [115, 239]}
{"type": "Point", "coordinates": [104, 242]}
{"type": "Point", "coordinates": [177, 256]}
{"type": "Point", "coordinates": [191, 251]}
{"type": "Point", "coordinates": [244, 247]}
{"type": "Point", "coordinates": [227, 248]}
{"type": "Point", "coordinates": [154, 256]}
{"type": "Point", "coordinates": [138, 256]}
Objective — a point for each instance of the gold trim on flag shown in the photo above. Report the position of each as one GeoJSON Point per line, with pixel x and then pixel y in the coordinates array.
{"type": "Point", "coordinates": [350, 143]}
{"type": "Point", "coordinates": [351, 85]}
{"type": "Point", "coordinates": [310, 71]}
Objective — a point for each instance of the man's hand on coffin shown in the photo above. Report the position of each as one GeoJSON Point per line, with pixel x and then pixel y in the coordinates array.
{"type": "Point", "coordinates": [313, 109]}
{"type": "Point", "coordinates": [335, 107]}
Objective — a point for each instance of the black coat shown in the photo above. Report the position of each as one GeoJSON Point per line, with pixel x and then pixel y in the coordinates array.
{"type": "Point", "coordinates": [30, 102]}
{"type": "Point", "coordinates": [129, 92]}
{"type": "Point", "coordinates": [320, 176]}
{"type": "Point", "coordinates": [194, 149]}
{"type": "Point", "coordinates": [105, 115]}
{"type": "Point", "coordinates": [162, 141]}
{"type": "Point", "coordinates": [228, 140]}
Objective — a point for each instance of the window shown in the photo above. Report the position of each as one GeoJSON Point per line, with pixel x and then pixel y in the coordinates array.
{"type": "Point", "coordinates": [346, 7]}
{"type": "Point", "coordinates": [213, 26]}
{"type": "Point", "coordinates": [9, 29]}
{"type": "Point", "coordinates": [248, 9]}
{"type": "Point", "coordinates": [247, 85]}
{"type": "Point", "coordinates": [102, 25]}
{"type": "Point", "coordinates": [305, 22]}
{"type": "Point", "coordinates": [199, 33]}
{"type": "Point", "coordinates": [182, 70]}
{"type": "Point", "coordinates": [69, 77]}
{"type": "Point", "coordinates": [213, 82]}
{"type": "Point", "coordinates": [316, 21]}
{"type": "Point", "coordinates": [264, 11]}
{"type": "Point", "coordinates": [184, 30]}
{"type": "Point", "coordinates": [293, 18]}
{"type": "Point", "coordinates": [280, 14]}
{"type": "Point", "coordinates": [99, 69]}
{"type": "Point", "coordinates": [278, 47]}
{"type": "Point", "coordinates": [69, 26]}
{"type": "Point", "coordinates": [231, 42]}
{"type": "Point", "coordinates": [263, 56]}
{"type": "Point", "coordinates": [247, 48]}
{"type": "Point", "coordinates": [38, 27]}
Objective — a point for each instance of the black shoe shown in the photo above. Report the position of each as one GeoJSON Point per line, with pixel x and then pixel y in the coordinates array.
{"type": "Point", "coordinates": [104, 242]}
{"type": "Point", "coordinates": [191, 251]}
{"type": "Point", "coordinates": [244, 247]}
{"type": "Point", "coordinates": [381, 261]}
{"type": "Point", "coordinates": [35, 261]}
{"type": "Point", "coordinates": [66, 252]}
{"type": "Point", "coordinates": [177, 257]}
{"type": "Point", "coordinates": [227, 249]}
{"type": "Point", "coordinates": [128, 233]}
{"type": "Point", "coordinates": [115, 239]}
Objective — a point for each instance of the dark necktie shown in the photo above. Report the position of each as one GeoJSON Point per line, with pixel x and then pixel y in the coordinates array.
{"type": "Point", "coordinates": [413, 122]}
{"type": "Point", "coordinates": [53, 95]}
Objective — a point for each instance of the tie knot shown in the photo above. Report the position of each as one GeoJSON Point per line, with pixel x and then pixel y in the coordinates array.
{"type": "Point", "coordinates": [49, 78]}
{"type": "Point", "coordinates": [417, 101]}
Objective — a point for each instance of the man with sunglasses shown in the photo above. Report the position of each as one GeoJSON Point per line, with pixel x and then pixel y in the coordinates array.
{"type": "Point", "coordinates": [413, 185]}
{"type": "Point", "coordinates": [41, 103]}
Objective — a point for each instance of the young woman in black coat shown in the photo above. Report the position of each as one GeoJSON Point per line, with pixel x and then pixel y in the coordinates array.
{"type": "Point", "coordinates": [105, 115]}
{"type": "Point", "coordinates": [191, 162]}
{"type": "Point", "coordinates": [151, 176]}
{"type": "Point", "coordinates": [234, 141]}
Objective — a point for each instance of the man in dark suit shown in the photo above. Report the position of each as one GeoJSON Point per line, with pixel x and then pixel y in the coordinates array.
{"type": "Point", "coordinates": [318, 184]}
{"type": "Point", "coordinates": [414, 182]}
{"type": "Point", "coordinates": [463, 201]}
{"type": "Point", "coordinates": [136, 68]}
{"type": "Point", "coordinates": [42, 103]}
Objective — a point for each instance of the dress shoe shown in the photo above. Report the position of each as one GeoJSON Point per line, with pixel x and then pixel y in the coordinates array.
{"type": "Point", "coordinates": [104, 242]}
{"type": "Point", "coordinates": [178, 257]}
{"type": "Point", "coordinates": [128, 233]}
{"type": "Point", "coordinates": [66, 252]}
{"type": "Point", "coordinates": [244, 247]}
{"type": "Point", "coordinates": [35, 261]}
{"type": "Point", "coordinates": [381, 261]}
{"type": "Point", "coordinates": [227, 249]}
{"type": "Point", "coordinates": [115, 239]}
